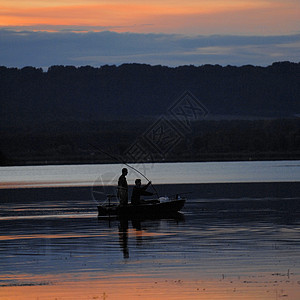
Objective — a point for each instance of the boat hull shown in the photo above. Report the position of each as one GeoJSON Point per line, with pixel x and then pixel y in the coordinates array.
{"type": "Point", "coordinates": [142, 210]}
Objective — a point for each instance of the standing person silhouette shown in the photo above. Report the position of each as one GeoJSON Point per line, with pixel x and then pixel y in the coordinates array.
{"type": "Point", "coordinates": [123, 188]}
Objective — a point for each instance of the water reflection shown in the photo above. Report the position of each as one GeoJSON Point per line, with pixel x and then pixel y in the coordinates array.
{"type": "Point", "coordinates": [221, 249]}
{"type": "Point", "coordinates": [123, 237]}
{"type": "Point", "coordinates": [138, 228]}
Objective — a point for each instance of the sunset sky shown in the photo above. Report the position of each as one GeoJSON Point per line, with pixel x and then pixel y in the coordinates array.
{"type": "Point", "coordinates": [34, 32]}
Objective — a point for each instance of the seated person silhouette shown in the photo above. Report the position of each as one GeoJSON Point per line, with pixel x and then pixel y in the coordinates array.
{"type": "Point", "coordinates": [138, 191]}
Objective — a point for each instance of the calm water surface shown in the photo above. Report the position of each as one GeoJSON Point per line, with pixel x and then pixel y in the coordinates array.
{"type": "Point", "coordinates": [231, 241]}
{"type": "Point", "coordinates": [163, 173]}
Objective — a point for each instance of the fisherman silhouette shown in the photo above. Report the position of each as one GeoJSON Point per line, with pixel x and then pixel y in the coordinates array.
{"type": "Point", "coordinates": [123, 188]}
{"type": "Point", "coordinates": [138, 191]}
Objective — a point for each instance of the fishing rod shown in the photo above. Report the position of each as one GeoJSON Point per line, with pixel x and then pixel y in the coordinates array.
{"type": "Point", "coordinates": [126, 164]}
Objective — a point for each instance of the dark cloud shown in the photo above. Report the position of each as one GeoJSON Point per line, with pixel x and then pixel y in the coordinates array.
{"type": "Point", "coordinates": [75, 46]}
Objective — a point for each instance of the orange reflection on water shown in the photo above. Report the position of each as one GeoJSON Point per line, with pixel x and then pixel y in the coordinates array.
{"type": "Point", "coordinates": [143, 233]}
{"type": "Point", "coordinates": [130, 232]}
{"type": "Point", "coordinates": [46, 236]}
{"type": "Point", "coordinates": [131, 286]}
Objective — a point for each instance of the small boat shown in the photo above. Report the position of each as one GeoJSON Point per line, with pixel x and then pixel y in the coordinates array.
{"type": "Point", "coordinates": [149, 208]}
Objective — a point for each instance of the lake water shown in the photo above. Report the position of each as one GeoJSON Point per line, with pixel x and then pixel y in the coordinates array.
{"type": "Point", "coordinates": [236, 238]}
{"type": "Point", "coordinates": [159, 173]}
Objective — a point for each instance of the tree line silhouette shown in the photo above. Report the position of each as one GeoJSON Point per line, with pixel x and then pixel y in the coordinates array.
{"type": "Point", "coordinates": [137, 90]}
{"type": "Point", "coordinates": [208, 141]}
{"type": "Point", "coordinates": [52, 116]}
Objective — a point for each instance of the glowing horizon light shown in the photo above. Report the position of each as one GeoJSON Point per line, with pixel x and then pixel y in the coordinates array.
{"type": "Point", "coordinates": [191, 17]}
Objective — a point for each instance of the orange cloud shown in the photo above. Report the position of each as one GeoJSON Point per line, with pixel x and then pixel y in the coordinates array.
{"type": "Point", "coordinates": [168, 16]}
{"type": "Point", "coordinates": [275, 20]}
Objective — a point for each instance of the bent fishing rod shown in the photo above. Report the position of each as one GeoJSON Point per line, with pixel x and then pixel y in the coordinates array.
{"type": "Point", "coordinates": [126, 164]}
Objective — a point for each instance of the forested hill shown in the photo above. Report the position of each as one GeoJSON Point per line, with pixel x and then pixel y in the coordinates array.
{"type": "Point", "coordinates": [54, 117]}
{"type": "Point", "coordinates": [137, 91]}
